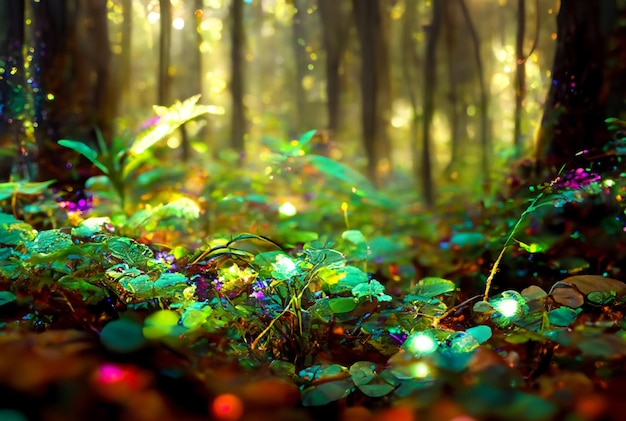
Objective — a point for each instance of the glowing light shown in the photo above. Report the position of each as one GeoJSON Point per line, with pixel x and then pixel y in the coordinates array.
{"type": "Point", "coordinates": [173, 142]}
{"type": "Point", "coordinates": [507, 307]}
{"type": "Point", "coordinates": [178, 23]}
{"type": "Point", "coordinates": [421, 343]}
{"type": "Point", "coordinates": [50, 97]}
{"type": "Point", "coordinates": [154, 17]}
{"type": "Point", "coordinates": [287, 209]}
{"type": "Point", "coordinates": [114, 375]}
{"type": "Point", "coordinates": [420, 370]}
{"type": "Point", "coordinates": [227, 407]}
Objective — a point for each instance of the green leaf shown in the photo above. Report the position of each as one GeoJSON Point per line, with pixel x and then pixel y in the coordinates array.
{"type": "Point", "coordinates": [170, 283]}
{"type": "Point", "coordinates": [481, 333]}
{"type": "Point", "coordinates": [378, 387]}
{"type": "Point", "coordinates": [468, 239]}
{"type": "Point", "coordinates": [86, 151]}
{"type": "Point", "coordinates": [306, 137]}
{"type": "Point", "coordinates": [325, 393]}
{"type": "Point", "coordinates": [161, 324]}
{"type": "Point", "coordinates": [362, 372]}
{"type": "Point", "coordinates": [6, 297]}
{"type": "Point", "coordinates": [34, 187]}
{"type": "Point", "coordinates": [345, 279]}
{"type": "Point", "coordinates": [342, 304]}
{"type": "Point", "coordinates": [90, 226]}
{"type": "Point", "coordinates": [170, 118]}
{"type": "Point", "coordinates": [123, 335]}
{"type": "Point", "coordinates": [432, 287]}
{"type": "Point", "coordinates": [49, 241]}
{"type": "Point", "coordinates": [370, 289]}
{"type": "Point", "coordinates": [129, 251]}
{"type": "Point", "coordinates": [563, 316]}
{"type": "Point", "coordinates": [354, 236]}
{"type": "Point", "coordinates": [76, 284]}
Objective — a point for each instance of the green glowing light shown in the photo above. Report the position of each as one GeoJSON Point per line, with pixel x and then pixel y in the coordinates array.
{"type": "Point", "coordinates": [421, 343]}
{"type": "Point", "coordinates": [420, 370]}
{"type": "Point", "coordinates": [507, 307]}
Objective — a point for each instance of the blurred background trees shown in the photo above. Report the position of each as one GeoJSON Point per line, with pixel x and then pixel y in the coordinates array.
{"type": "Point", "coordinates": [440, 94]}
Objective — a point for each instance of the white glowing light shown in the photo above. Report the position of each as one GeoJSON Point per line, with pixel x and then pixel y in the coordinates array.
{"type": "Point", "coordinates": [178, 23]}
{"type": "Point", "coordinates": [153, 17]}
{"type": "Point", "coordinates": [421, 344]}
{"type": "Point", "coordinates": [287, 209]}
{"type": "Point", "coordinates": [507, 307]}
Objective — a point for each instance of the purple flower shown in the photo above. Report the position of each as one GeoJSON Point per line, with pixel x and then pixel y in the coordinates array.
{"type": "Point", "coordinates": [81, 204]}
{"type": "Point", "coordinates": [575, 179]}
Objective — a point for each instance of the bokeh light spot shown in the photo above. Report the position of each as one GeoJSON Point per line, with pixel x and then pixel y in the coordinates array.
{"type": "Point", "coordinates": [227, 407]}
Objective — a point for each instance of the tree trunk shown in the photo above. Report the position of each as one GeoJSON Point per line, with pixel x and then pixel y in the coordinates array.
{"type": "Point", "coordinates": [300, 55]}
{"type": "Point", "coordinates": [165, 43]}
{"type": "Point", "coordinates": [372, 33]}
{"type": "Point", "coordinates": [520, 77]}
{"type": "Point", "coordinates": [238, 124]}
{"type": "Point", "coordinates": [454, 111]}
{"type": "Point", "coordinates": [334, 36]}
{"type": "Point", "coordinates": [483, 107]}
{"type": "Point", "coordinates": [76, 89]}
{"type": "Point", "coordinates": [424, 173]}
{"type": "Point", "coordinates": [410, 73]}
{"type": "Point", "coordinates": [587, 84]}
{"type": "Point", "coordinates": [126, 54]}
{"type": "Point", "coordinates": [12, 91]}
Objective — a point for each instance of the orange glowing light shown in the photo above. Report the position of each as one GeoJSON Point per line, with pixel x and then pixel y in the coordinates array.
{"type": "Point", "coordinates": [227, 407]}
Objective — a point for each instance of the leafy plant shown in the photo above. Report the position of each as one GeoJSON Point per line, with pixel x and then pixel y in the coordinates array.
{"type": "Point", "coordinates": [119, 160]}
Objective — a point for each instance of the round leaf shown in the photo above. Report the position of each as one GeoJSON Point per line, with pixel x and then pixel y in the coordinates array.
{"type": "Point", "coordinates": [122, 336]}
{"type": "Point", "coordinates": [342, 304]}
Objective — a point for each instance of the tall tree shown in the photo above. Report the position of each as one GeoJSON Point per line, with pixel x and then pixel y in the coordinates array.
{"type": "Point", "coordinates": [587, 82]}
{"type": "Point", "coordinates": [483, 104]}
{"type": "Point", "coordinates": [454, 105]}
{"type": "Point", "coordinates": [72, 71]}
{"type": "Point", "coordinates": [520, 76]}
{"type": "Point", "coordinates": [165, 46]}
{"type": "Point", "coordinates": [372, 28]}
{"type": "Point", "coordinates": [334, 37]}
{"type": "Point", "coordinates": [12, 89]}
{"type": "Point", "coordinates": [299, 44]}
{"type": "Point", "coordinates": [424, 171]}
{"type": "Point", "coordinates": [411, 66]}
{"type": "Point", "coordinates": [238, 121]}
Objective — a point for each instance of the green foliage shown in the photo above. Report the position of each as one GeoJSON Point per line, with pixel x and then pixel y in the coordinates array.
{"type": "Point", "coordinates": [119, 160]}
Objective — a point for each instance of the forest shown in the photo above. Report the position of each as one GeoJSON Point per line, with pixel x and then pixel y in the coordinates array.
{"type": "Point", "coordinates": [312, 209]}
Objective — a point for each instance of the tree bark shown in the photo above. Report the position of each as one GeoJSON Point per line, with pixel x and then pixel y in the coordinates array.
{"type": "Point", "coordinates": [334, 36]}
{"type": "Point", "coordinates": [165, 44]}
{"type": "Point", "coordinates": [299, 44]}
{"type": "Point", "coordinates": [12, 90]}
{"type": "Point", "coordinates": [372, 34]}
{"type": "Point", "coordinates": [424, 173]}
{"type": "Point", "coordinates": [520, 77]}
{"type": "Point", "coordinates": [238, 124]}
{"type": "Point", "coordinates": [587, 84]}
{"type": "Point", "coordinates": [454, 111]}
{"type": "Point", "coordinates": [483, 107]}
{"type": "Point", "coordinates": [76, 93]}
